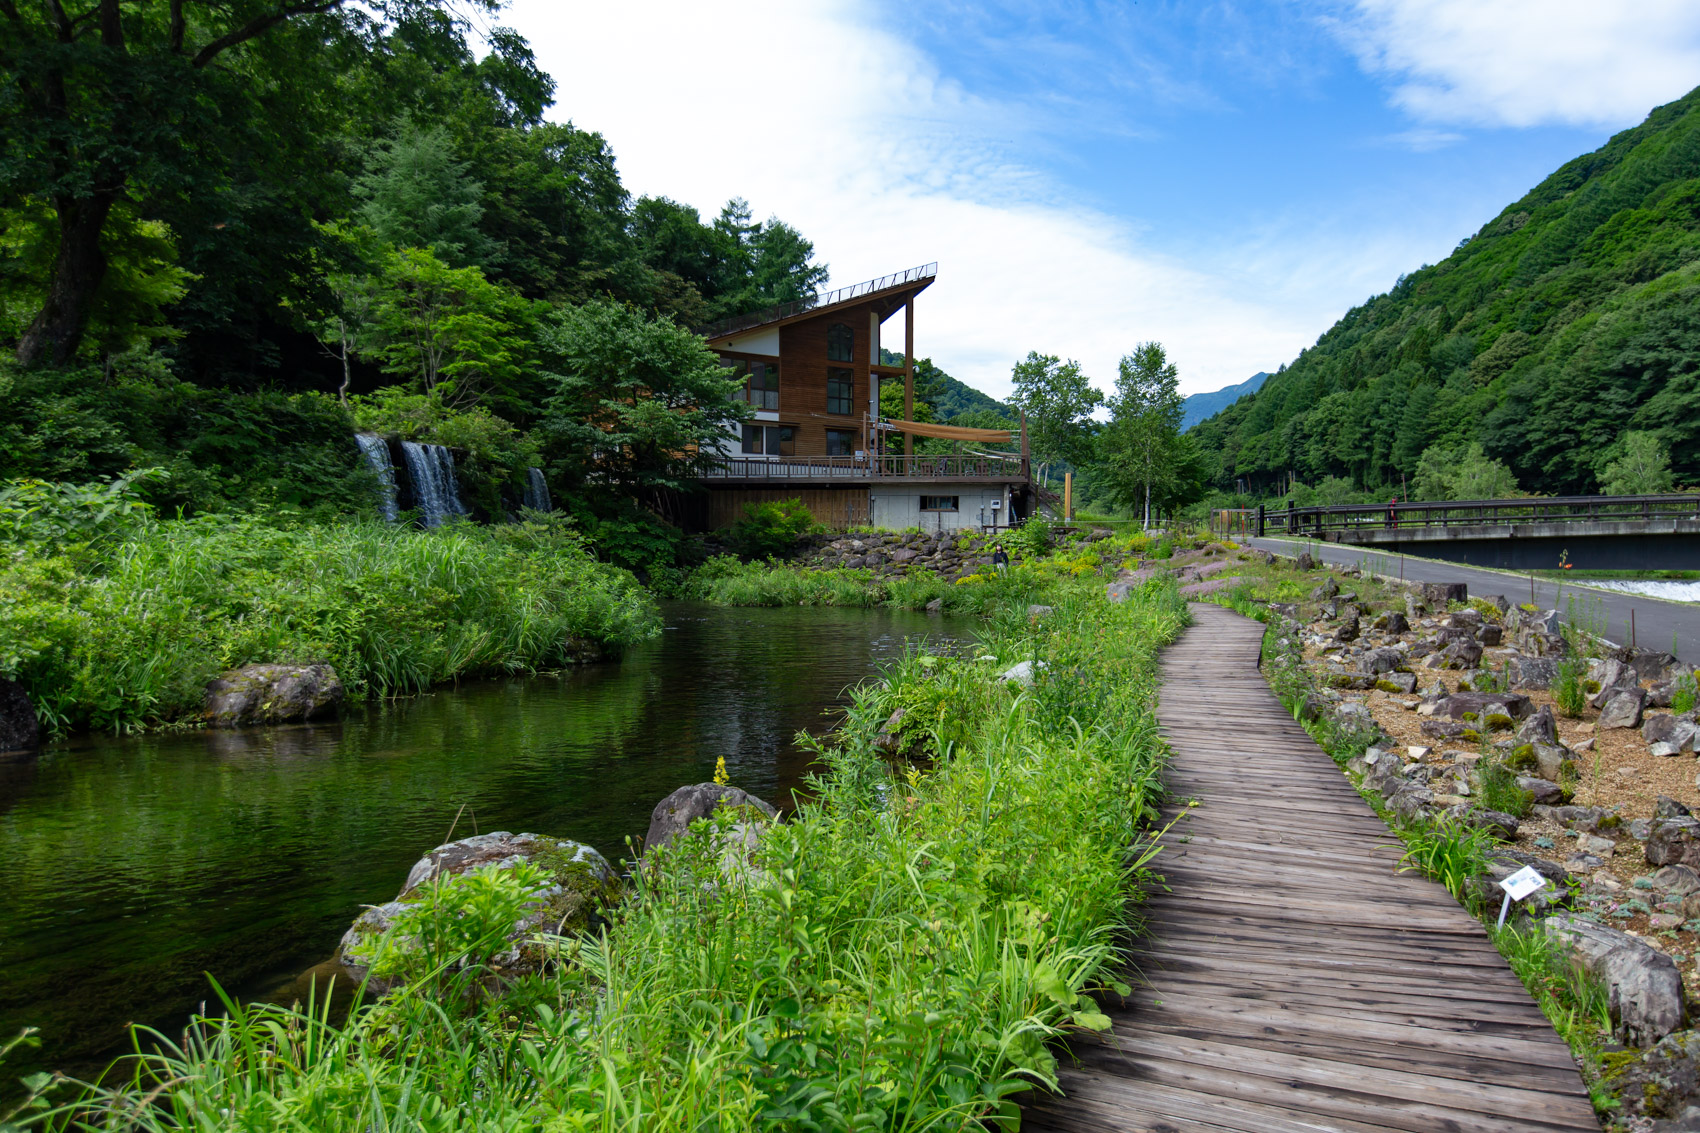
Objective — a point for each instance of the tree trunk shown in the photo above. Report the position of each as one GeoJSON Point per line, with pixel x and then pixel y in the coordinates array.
{"type": "Point", "coordinates": [57, 329]}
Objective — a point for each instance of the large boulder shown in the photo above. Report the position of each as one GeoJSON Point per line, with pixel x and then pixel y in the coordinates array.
{"type": "Point", "coordinates": [1624, 709]}
{"type": "Point", "coordinates": [1647, 1001]}
{"type": "Point", "coordinates": [1613, 677]}
{"type": "Point", "coordinates": [577, 888]}
{"type": "Point", "coordinates": [273, 694]}
{"type": "Point", "coordinates": [1679, 731]}
{"type": "Point", "coordinates": [1482, 705]}
{"type": "Point", "coordinates": [674, 814]}
{"type": "Point", "coordinates": [20, 729]}
{"type": "Point", "coordinates": [1674, 841]}
{"type": "Point", "coordinates": [1541, 728]}
{"type": "Point", "coordinates": [1533, 672]}
{"type": "Point", "coordinates": [1659, 1090]}
{"type": "Point", "coordinates": [1438, 594]}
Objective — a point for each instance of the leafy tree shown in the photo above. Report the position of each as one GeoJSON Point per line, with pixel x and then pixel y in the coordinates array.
{"type": "Point", "coordinates": [121, 103]}
{"type": "Point", "coordinates": [1643, 469]}
{"type": "Point", "coordinates": [1448, 473]}
{"type": "Point", "coordinates": [640, 404]}
{"type": "Point", "coordinates": [460, 336]}
{"type": "Point", "coordinates": [1058, 400]}
{"type": "Point", "coordinates": [1144, 458]}
{"type": "Point", "coordinates": [127, 310]}
{"type": "Point", "coordinates": [414, 194]}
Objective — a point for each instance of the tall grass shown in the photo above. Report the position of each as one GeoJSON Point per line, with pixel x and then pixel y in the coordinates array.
{"type": "Point", "coordinates": [127, 632]}
{"type": "Point", "coordinates": [895, 956]}
{"type": "Point", "coordinates": [727, 582]}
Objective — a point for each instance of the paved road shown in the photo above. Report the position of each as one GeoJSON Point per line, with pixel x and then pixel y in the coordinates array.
{"type": "Point", "coordinates": [1656, 621]}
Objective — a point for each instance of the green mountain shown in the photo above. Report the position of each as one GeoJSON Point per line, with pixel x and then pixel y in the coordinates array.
{"type": "Point", "coordinates": [1199, 406]}
{"type": "Point", "coordinates": [1570, 318]}
{"type": "Point", "coordinates": [948, 397]}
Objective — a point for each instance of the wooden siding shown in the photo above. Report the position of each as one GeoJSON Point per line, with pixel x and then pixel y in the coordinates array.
{"type": "Point", "coordinates": [803, 367]}
{"type": "Point", "coordinates": [836, 508]}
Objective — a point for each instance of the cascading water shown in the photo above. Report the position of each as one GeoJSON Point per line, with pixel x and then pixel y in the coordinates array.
{"type": "Point", "coordinates": [536, 491]}
{"type": "Point", "coordinates": [377, 454]}
{"type": "Point", "coordinates": [431, 469]}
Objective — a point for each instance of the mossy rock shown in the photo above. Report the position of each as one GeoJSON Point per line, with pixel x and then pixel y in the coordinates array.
{"type": "Point", "coordinates": [1388, 686]}
{"type": "Point", "coordinates": [1471, 716]}
{"type": "Point", "coordinates": [1498, 722]}
{"type": "Point", "coordinates": [1609, 822]}
{"type": "Point", "coordinates": [577, 889]}
{"type": "Point", "coordinates": [1523, 759]}
{"type": "Point", "coordinates": [1471, 736]}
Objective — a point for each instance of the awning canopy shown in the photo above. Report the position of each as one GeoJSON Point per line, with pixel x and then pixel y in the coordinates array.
{"type": "Point", "coordinates": [952, 432]}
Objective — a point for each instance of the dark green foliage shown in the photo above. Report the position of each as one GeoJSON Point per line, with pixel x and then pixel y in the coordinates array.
{"type": "Point", "coordinates": [1500, 790]}
{"type": "Point", "coordinates": [771, 528]}
{"type": "Point", "coordinates": [221, 449]}
{"type": "Point", "coordinates": [1568, 320]}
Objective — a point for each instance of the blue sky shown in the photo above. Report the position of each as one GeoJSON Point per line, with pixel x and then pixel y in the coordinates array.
{"type": "Point", "coordinates": [1226, 178]}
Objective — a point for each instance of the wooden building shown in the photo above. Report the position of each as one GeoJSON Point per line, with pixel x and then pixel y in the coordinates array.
{"type": "Point", "coordinates": [812, 371]}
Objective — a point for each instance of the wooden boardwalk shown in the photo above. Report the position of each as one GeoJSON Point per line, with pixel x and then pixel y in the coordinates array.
{"type": "Point", "coordinates": [1292, 980]}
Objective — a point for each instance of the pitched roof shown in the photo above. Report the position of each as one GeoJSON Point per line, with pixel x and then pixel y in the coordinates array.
{"type": "Point", "coordinates": [912, 280]}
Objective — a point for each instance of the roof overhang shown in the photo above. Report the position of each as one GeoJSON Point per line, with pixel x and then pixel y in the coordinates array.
{"type": "Point", "coordinates": [886, 295]}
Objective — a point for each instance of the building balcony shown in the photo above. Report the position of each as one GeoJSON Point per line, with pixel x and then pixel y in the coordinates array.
{"type": "Point", "coordinates": [847, 470]}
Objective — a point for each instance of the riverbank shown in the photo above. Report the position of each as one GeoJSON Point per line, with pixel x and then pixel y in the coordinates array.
{"type": "Point", "coordinates": [123, 630]}
{"type": "Point", "coordinates": [896, 954]}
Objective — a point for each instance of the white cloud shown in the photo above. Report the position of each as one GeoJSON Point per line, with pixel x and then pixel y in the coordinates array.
{"type": "Point", "coordinates": [1529, 62]}
{"type": "Point", "coordinates": [853, 136]}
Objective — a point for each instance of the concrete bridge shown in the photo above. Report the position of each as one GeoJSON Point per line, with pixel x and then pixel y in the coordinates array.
{"type": "Point", "coordinates": [1586, 532]}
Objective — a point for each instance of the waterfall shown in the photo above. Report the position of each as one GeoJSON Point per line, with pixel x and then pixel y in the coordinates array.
{"type": "Point", "coordinates": [431, 469]}
{"type": "Point", "coordinates": [536, 491]}
{"type": "Point", "coordinates": [377, 454]}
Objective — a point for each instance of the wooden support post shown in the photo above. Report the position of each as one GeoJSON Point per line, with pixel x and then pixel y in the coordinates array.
{"type": "Point", "coordinates": [909, 371]}
{"type": "Point", "coordinates": [1068, 497]}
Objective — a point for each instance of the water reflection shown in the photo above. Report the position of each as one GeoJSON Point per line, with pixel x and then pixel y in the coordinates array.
{"type": "Point", "coordinates": [130, 868]}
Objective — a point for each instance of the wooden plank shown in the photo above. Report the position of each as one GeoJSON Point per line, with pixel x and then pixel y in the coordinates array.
{"type": "Point", "coordinates": [1293, 979]}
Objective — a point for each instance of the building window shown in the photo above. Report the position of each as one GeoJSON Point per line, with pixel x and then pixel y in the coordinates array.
{"type": "Point", "coordinates": [841, 442]}
{"type": "Point", "coordinates": [770, 440]}
{"type": "Point", "coordinates": [761, 382]}
{"type": "Point", "coordinates": [938, 503]}
{"type": "Point", "coordinates": [840, 392]}
{"type": "Point", "coordinates": [840, 343]}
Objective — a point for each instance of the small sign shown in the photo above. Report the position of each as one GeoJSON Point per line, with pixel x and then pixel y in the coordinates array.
{"type": "Point", "coordinates": [1522, 883]}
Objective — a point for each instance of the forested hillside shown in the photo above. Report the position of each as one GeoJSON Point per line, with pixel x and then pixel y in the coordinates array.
{"type": "Point", "coordinates": [1568, 320]}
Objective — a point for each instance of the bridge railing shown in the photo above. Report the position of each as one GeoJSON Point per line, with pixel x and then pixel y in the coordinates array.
{"type": "Point", "coordinates": [1456, 513]}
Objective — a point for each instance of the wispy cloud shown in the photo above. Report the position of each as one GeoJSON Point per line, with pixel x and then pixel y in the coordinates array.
{"type": "Point", "coordinates": [1527, 62]}
{"type": "Point", "coordinates": [852, 134]}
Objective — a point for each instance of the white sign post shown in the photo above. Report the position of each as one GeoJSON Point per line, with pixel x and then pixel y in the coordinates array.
{"type": "Point", "coordinates": [1518, 886]}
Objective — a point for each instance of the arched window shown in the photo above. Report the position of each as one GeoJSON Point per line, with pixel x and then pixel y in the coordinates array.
{"type": "Point", "coordinates": [840, 342]}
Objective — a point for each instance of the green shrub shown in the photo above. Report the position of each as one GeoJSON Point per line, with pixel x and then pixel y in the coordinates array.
{"type": "Point", "coordinates": [1567, 691]}
{"type": "Point", "coordinates": [1501, 792]}
{"type": "Point", "coordinates": [1685, 695]}
{"type": "Point", "coordinates": [771, 528]}
{"type": "Point", "coordinates": [1452, 853]}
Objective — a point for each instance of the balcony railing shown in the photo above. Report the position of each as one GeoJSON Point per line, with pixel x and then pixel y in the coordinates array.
{"type": "Point", "coordinates": [811, 302]}
{"type": "Point", "coordinates": [959, 466]}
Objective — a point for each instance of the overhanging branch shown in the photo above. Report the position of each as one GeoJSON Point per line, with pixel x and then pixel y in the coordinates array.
{"type": "Point", "coordinates": [259, 25]}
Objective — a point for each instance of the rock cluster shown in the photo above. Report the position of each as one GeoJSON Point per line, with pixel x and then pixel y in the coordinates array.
{"type": "Point", "coordinates": [578, 889]}
{"type": "Point", "coordinates": [949, 554]}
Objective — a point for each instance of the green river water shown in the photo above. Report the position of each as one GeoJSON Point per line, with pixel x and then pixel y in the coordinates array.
{"type": "Point", "coordinates": [131, 868]}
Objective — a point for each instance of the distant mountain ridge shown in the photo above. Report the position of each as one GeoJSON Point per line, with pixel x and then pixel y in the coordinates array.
{"type": "Point", "coordinates": [1568, 320]}
{"type": "Point", "coordinates": [1199, 406]}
